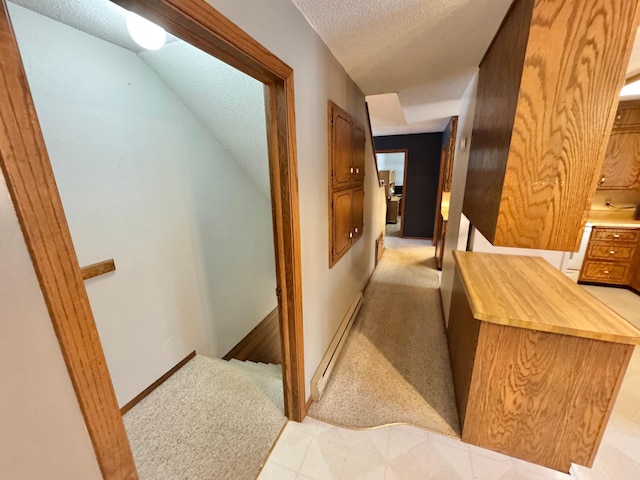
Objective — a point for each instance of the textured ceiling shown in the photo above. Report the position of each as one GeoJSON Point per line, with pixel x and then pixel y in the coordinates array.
{"type": "Point", "coordinates": [426, 51]}
{"type": "Point", "coordinates": [227, 102]}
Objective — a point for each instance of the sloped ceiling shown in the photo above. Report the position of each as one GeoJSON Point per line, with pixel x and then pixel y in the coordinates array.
{"type": "Point", "coordinates": [228, 103]}
{"type": "Point", "coordinates": [425, 51]}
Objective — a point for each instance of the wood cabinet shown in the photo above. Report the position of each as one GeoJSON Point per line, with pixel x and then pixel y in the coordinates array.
{"type": "Point", "coordinates": [536, 360]}
{"type": "Point", "coordinates": [610, 256]}
{"type": "Point", "coordinates": [621, 167]}
{"type": "Point", "coordinates": [542, 117]}
{"type": "Point", "coordinates": [346, 182]}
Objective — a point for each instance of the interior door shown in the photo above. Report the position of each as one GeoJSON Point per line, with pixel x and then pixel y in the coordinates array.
{"type": "Point", "coordinates": [357, 210]}
{"type": "Point", "coordinates": [342, 150]}
{"type": "Point", "coordinates": [359, 140]}
{"type": "Point", "coordinates": [342, 222]}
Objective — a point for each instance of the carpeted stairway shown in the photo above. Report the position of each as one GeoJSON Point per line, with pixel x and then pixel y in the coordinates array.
{"type": "Point", "coordinates": [211, 420]}
{"type": "Point", "coordinates": [394, 367]}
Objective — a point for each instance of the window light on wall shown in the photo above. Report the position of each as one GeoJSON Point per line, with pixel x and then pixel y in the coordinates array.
{"type": "Point", "coordinates": [145, 33]}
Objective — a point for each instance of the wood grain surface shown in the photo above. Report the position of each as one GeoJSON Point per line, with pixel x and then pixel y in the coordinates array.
{"type": "Point", "coordinates": [496, 103]}
{"type": "Point", "coordinates": [261, 344]}
{"type": "Point", "coordinates": [528, 292]}
{"type": "Point", "coordinates": [462, 338]}
{"type": "Point", "coordinates": [573, 71]}
{"type": "Point", "coordinates": [542, 397]}
{"type": "Point", "coordinates": [621, 167]}
{"type": "Point", "coordinates": [96, 269]}
{"type": "Point", "coordinates": [27, 170]}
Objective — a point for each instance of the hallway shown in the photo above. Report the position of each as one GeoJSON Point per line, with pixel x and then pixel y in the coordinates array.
{"type": "Point", "coordinates": [316, 450]}
{"type": "Point", "coordinates": [394, 367]}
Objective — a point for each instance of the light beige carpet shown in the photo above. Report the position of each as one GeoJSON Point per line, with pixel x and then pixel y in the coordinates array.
{"type": "Point", "coordinates": [208, 421]}
{"type": "Point", "coordinates": [395, 366]}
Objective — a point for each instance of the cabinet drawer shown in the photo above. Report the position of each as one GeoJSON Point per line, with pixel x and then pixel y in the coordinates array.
{"type": "Point", "coordinates": [610, 251]}
{"type": "Point", "coordinates": [618, 235]}
{"type": "Point", "coordinates": [604, 272]}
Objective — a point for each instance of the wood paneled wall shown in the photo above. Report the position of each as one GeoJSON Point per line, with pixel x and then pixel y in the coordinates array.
{"type": "Point", "coordinates": [547, 94]}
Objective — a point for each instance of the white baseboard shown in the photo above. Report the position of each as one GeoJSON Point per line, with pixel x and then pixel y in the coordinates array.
{"type": "Point", "coordinates": [321, 377]}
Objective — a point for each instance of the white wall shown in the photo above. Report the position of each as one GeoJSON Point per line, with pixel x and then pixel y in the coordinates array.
{"type": "Point", "coordinates": [43, 433]}
{"type": "Point", "coordinates": [327, 293]}
{"type": "Point", "coordinates": [392, 161]}
{"type": "Point", "coordinates": [458, 225]}
{"type": "Point", "coordinates": [143, 182]}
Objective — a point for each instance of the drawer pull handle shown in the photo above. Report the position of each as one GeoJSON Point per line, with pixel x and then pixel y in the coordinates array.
{"type": "Point", "coordinates": [616, 235]}
{"type": "Point", "coordinates": [612, 252]}
{"type": "Point", "coordinates": [606, 272]}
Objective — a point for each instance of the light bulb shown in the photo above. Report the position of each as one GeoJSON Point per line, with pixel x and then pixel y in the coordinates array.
{"type": "Point", "coordinates": [145, 33]}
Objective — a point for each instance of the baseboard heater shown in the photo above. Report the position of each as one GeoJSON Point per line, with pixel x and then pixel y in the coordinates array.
{"type": "Point", "coordinates": [321, 377]}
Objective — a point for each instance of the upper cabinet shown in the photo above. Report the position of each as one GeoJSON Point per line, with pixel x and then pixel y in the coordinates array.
{"type": "Point", "coordinates": [621, 167]}
{"type": "Point", "coordinates": [547, 92]}
{"type": "Point", "coordinates": [346, 182]}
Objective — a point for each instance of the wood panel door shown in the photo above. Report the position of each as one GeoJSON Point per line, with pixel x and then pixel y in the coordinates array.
{"type": "Point", "coordinates": [342, 149]}
{"type": "Point", "coordinates": [628, 116]}
{"type": "Point", "coordinates": [342, 222]}
{"type": "Point", "coordinates": [621, 168]}
{"type": "Point", "coordinates": [359, 139]}
{"type": "Point", "coordinates": [357, 211]}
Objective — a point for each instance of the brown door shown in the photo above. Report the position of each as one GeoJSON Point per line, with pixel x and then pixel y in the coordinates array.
{"type": "Point", "coordinates": [342, 149]}
{"type": "Point", "coordinates": [358, 155]}
{"type": "Point", "coordinates": [342, 222]}
{"type": "Point", "coordinates": [357, 209]}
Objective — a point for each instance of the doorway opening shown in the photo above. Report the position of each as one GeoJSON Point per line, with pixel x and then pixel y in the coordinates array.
{"type": "Point", "coordinates": [392, 167]}
{"type": "Point", "coordinates": [26, 167]}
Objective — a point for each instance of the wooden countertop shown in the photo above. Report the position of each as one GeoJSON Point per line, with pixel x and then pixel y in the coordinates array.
{"type": "Point", "coordinates": [613, 218]}
{"type": "Point", "coordinates": [527, 292]}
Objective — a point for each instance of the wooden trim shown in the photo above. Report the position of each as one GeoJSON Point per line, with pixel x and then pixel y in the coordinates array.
{"type": "Point", "coordinates": [308, 405]}
{"type": "Point", "coordinates": [156, 384]}
{"type": "Point", "coordinates": [373, 144]}
{"type": "Point", "coordinates": [632, 78]}
{"type": "Point", "coordinates": [31, 184]}
{"type": "Point", "coordinates": [97, 269]}
{"type": "Point", "coordinates": [261, 344]}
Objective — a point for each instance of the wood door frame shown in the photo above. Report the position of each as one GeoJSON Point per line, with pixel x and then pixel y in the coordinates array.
{"type": "Point", "coordinates": [404, 180]}
{"type": "Point", "coordinates": [27, 170]}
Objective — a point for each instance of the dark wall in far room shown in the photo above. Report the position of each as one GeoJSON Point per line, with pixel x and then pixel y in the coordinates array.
{"type": "Point", "coordinates": [421, 190]}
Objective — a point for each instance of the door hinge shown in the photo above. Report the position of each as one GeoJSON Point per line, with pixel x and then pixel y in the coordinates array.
{"type": "Point", "coordinates": [278, 293]}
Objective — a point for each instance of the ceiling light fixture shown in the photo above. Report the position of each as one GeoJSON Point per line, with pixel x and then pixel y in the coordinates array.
{"type": "Point", "coordinates": [631, 89]}
{"type": "Point", "coordinates": [145, 33]}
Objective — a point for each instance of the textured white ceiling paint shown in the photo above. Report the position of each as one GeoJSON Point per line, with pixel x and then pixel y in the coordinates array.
{"type": "Point", "coordinates": [100, 18]}
{"type": "Point", "coordinates": [227, 102]}
{"type": "Point", "coordinates": [388, 116]}
{"type": "Point", "coordinates": [425, 50]}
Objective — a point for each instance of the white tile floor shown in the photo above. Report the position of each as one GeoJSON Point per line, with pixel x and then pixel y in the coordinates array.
{"type": "Point", "coordinates": [314, 450]}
